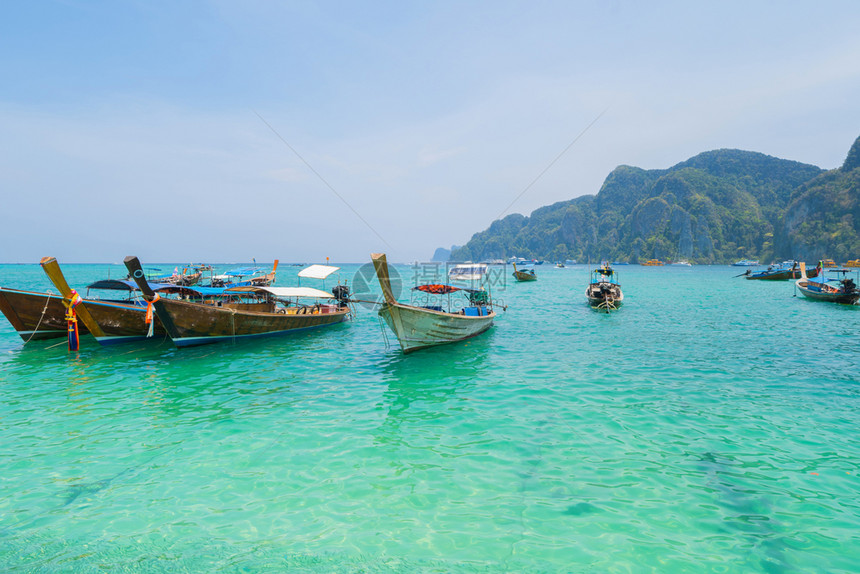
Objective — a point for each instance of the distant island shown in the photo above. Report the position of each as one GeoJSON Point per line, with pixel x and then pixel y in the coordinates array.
{"type": "Point", "coordinates": [717, 207]}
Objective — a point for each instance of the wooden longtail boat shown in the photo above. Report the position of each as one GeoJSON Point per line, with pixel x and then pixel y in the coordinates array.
{"type": "Point", "coordinates": [604, 291]}
{"type": "Point", "coordinates": [842, 290]}
{"type": "Point", "coordinates": [257, 312]}
{"type": "Point", "coordinates": [420, 327]}
{"type": "Point", "coordinates": [528, 275]}
{"type": "Point", "coordinates": [35, 316]}
{"type": "Point", "coordinates": [183, 279]}
{"type": "Point", "coordinates": [781, 272]}
{"type": "Point", "coordinates": [110, 321]}
{"type": "Point", "coordinates": [245, 276]}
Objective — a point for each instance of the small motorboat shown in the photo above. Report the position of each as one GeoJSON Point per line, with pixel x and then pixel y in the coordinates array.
{"type": "Point", "coordinates": [524, 274]}
{"type": "Point", "coordinates": [420, 326]}
{"type": "Point", "coordinates": [604, 290]}
{"type": "Point", "coordinates": [839, 289]}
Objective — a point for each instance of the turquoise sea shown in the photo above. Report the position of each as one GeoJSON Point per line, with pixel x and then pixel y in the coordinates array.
{"type": "Point", "coordinates": [710, 425]}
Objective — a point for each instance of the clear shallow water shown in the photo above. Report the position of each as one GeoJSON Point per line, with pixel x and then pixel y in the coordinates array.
{"type": "Point", "coordinates": [710, 425]}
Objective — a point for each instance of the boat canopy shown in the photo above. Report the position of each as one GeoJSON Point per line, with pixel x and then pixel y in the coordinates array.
{"type": "Point", "coordinates": [467, 272]}
{"type": "Point", "coordinates": [126, 285]}
{"type": "Point", "coordinates": [317, 271]}
{"type": "Point", "coordinates": [284, 292]}
{"type": "Point", "coordinates": [242, 271]}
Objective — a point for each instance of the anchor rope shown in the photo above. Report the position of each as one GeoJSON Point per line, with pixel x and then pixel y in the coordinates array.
{"type": "Point", "coordinates": [47, 300]}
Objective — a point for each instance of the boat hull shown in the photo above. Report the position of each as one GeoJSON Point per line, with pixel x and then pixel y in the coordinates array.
{"type": "Point", "coordinates": [418, 328]}
{"type": "Point", "coordinates": [122, 322]}
{"type": "Point", "coordinates": [36, 316]}
{"type": "Point", "coordinates": [523, 276]}
{"type": "Point", "coordinates": [198, 324]}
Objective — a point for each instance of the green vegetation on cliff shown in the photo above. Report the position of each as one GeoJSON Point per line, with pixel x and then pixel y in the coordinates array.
{"type": "Point", "coordinates": [716, 207]}
{"type": "Point", "coordinates": [823, 217]}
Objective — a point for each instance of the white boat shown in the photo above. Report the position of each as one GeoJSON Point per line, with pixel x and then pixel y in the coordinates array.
{"type": "Point", "coordinates": [419, 327]}
{"type": "Point", "coordinates": [681, 264]}
{"type": "Point", "coordinates": [841, 289]}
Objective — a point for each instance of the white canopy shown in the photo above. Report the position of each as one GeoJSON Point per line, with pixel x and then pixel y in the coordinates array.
{"type": "Point", "coordinates": [467, 272]}
{"type": "Point", "coordinates": [317, 271]}
{"type": "Point", "coordinates": [287, 292]}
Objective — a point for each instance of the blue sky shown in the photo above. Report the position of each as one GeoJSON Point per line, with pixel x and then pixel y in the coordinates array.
{"type": "Point", "coordinates": [134, 127]}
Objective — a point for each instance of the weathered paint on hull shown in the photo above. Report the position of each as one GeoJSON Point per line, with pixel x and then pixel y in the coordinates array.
{"type": "Point", "coordinates": [122, 322]}
{"type": "Point", "coordinates": [36, 316]}
{"type": "Point", "coordinates": [418, 328]}
{"type": "Point", "coordinates": [197, 324]}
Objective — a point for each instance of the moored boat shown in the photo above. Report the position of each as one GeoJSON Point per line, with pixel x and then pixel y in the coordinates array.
{"type": "Point", "coordinates": [853, 263]}
{"type": "Point", "coordinates": [250, 311]}
{"type": "Point", "coordinates": [524, 274]}
{"type": "Point", "coordinates": [828, 263]}
{"type": "Point", "coordinates": [604, 291]}
{"type": "Point", "coordinates": [745, 263]}
{"type": "Point", "coordinates": [781, 272]}
{"type": "Point", "coordinates": [35, 316]}
{"type": "Point", "coordinates": [418, 327]}
{"type": "Point", "coordinates": [244, 276]}
{"type": "Point", "coordinates": [116, 319]}
{"type": "Point", "coordinates": [841, 289]}
{"type": "Point", "coordinates": [653, 263]}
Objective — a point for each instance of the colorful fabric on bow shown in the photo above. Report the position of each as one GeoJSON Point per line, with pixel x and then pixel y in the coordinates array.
{"type": "Point", "coordinates": [149, 320]}
{"type": "Point", "coordinates": [72, 321]}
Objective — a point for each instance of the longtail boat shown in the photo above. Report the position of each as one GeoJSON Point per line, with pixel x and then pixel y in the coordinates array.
{"type": "Point", "coordinates": [417, 327]}
{"type": "Point", "coordinates": [35, 316]}
{"type": "Point", "coordinates": [781, 272]}
{"type": "Point", "coordinates": [524, 275]}
{"type": "Point", "coordinates": [840, 290]}
{"type": "Point", "coordinates": [252, 312]}
{"type": "Point", "coordinates": [182, 278]}
{"type": "Point", "coordinates": [604, 291]}
{"type": "Point", "coordinates": [110, 321]}
{"type": "Point", "coordinates": [244, 276]}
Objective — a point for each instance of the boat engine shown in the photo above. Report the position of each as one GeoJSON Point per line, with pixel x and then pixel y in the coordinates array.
{"type": "Point", "coordinates": [341, 294]}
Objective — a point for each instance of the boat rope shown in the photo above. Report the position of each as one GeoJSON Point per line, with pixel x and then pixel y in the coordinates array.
{"type": "Point", "coordinates": [44, 310]}
{"type": "Point", "coordinates": [233, 323]}
{"type": "Point", "coordinates": [384, 334]}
